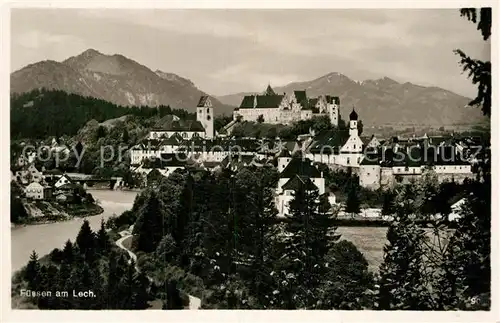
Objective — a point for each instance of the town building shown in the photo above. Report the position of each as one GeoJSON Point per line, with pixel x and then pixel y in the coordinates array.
{"type": "Point", "coordinates": [270, 107]}
{"type": "Point", "coordinates": [400, 163]}
{"type": "Point", "coordinates": [298, 171]}
{"type": "Point", "coordinates": [202, 127]}
{"type": "Point", "coordinates": [341, 147]}
{"type": "Point", "coordinates": [63, 180]}
{"type": "Point", "coordinates": [38, 191]}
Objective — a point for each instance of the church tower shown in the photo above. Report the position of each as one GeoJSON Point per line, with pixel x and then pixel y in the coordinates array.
{"type": "Point", "coordinates": [205, 115]}
{"type": "Point", "coordinates": [353, 123]}
{"type": "Point", "coordinates": [333, 104]}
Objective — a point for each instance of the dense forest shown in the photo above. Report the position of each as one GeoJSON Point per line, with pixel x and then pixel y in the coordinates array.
{"type": "Point", "coordinates": [43, 113]}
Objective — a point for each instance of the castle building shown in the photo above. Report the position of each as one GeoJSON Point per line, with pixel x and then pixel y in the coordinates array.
{"type": "Point", "coordinates": [273, 108]}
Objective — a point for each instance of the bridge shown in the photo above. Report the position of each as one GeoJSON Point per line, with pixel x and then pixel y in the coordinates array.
{"type": "Point", "coordinates": [92, 181]}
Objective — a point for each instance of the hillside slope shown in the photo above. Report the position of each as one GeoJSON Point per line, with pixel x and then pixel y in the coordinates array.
{"type": "Point", "coordinates": [114, 78]}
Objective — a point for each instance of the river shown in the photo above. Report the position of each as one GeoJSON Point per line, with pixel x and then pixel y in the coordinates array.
{"type": "Point", "coordinates": [43, 238]}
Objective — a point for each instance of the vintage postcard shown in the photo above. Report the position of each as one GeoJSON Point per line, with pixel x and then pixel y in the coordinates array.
{"type": "Point", "coordinates": [309, 159]}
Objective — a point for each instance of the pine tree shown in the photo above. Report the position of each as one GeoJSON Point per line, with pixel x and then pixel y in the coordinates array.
{"type": "Point", "coordinates": [103, 239]}
{"type": "Point", "coordinates": [68, 252]}
{"type": "Point", "coordinates": [32, 272]}
{"type": "Point", "coordinates": [479, 70]}
{"type": "Point", "coordinates": [86, 242]}
{"type": "Point", "coordinates": [307, 239]}
{"type": "Point", "coordinates": [403, 282]}
{"type": "Point", "coordinates": [352, 203]}
{"type": "Point", "coordinates": [174, 301]}
{"type": "Point", "coordinates": [125, 136]}
{"type": "Point", "coordinates": [348, 282]}
{"type": "Point", "coordinates": [150, 227]}
{"type": "Point", "coordinates": [467, 267]}
{"type": "Point", "coordinates": [388, 203]}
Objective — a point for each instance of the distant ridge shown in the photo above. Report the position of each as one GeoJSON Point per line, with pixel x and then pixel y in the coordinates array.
{"type": "Point", "coordinates": [114, 78]}
{"type": "Point", "coordinates": [385, 101]}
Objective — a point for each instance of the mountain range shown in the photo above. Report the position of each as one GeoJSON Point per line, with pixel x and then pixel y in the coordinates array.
{"type": "Point", "coordinates": [385, 101]}
{"type": "Point", "coordinates": [114, 78]}
{"type": "Point", "coordinates": [123, 81]}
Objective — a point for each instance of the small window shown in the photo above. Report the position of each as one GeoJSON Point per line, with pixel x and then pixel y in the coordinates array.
{"type": "Point", "coordinates": [354, 146]}
{"type": "Point", "coordinates": [367, 174]}
{"type": "Point", "coordinates": [348, 160]}
{"type": "Point", "coordinates": [208, 110]}
{"type": "Point", "coordinates": [208, 117]}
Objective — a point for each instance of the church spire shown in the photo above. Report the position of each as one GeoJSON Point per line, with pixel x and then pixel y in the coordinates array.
{"type": "Point", "coordinates": [353, 115]}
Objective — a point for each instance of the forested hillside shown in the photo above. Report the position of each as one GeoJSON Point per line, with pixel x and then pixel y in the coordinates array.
{"type": "Point", "coordinates": [43, 113]}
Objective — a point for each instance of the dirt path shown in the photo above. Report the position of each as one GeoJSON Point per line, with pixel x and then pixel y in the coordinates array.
{"type": "Point", "coordinates": [194, 302]}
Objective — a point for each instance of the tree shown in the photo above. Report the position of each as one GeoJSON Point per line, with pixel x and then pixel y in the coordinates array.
{"type": "Point", "coordinates": [324, 205]}
{"type": "Point", "coordinates": [32, 272]}
{"type": "Point", "coordinates": [479, 71]}
{"type": "Point", "coordinates": [305, 244]}
{"type": "Point", "coordinates": [101, 132]}
{"type": "Point", "coordinates": [467, 267]}
{"type": "Point", "coordinates": [103, 239]}
{"type": "Point", "coordinates": [125, 136]}
{"type": "Point", "coordinates": [348, 282]}
{"type": "Point", "coordinates": [403, 283]}
{"type": "Point", "coordinates": [174, 301]}
{"type": "Point", "coordinates": [388, 203]}
{"type": "Point", "coordinates": [85, 240]}
{"type": "Point", "coordinates": [68, 252]}
{"type": "Point", "coordinates": [149, 227]}
{"type": "Point", "coordinates": [260, 118]}
{"type": "Point", "coordinates": [353, 203]}
{"type": "Point", "coordinates": [165, 253]}
{"type": "Point", "coordinates": [360, 127]}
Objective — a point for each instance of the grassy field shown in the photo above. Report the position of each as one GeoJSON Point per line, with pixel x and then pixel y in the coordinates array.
{"type": "Point", "coordinates": [369, 240]}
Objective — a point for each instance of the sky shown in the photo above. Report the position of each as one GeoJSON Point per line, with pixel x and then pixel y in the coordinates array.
{"type": "Point", "coordinates": [229, 51]}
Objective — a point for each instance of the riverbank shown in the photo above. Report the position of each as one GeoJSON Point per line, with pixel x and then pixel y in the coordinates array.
{"type": "Point", "coordinates": [46, 212]}
{"type": "Point", "coordinates": [43, 238]}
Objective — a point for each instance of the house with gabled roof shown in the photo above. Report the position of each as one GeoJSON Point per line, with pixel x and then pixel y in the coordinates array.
{"type": "Point", "coordinates": [63, 180]}
{"type": "Point", "coordinates": [299, 172]}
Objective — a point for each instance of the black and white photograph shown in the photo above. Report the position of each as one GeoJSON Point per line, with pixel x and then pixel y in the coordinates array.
{"type": "Point", "coordinates": [250, 158]}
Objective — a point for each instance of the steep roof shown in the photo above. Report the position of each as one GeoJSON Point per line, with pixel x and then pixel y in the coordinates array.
{"type": "Point", "coordinates": [302, 167]}
{"type": "Point", "coordinates": [269, 90]}
{"type": "Point", "coordinates": [247, 102]}
{"type": "Point", "coordinates": [353, 115]}
{"type": "Point", "coordinates": [203, 100]}
{"type": "Point", "coordinates": [301, 96]}
{"type": "Point", "coordinates": [329, 142]}
{"type": "Point", "coordinates": [297, 182]}
{"type": "Point", "coordinates": [268, 101]}
{"type": "Point", "coordinates": [370, 160]}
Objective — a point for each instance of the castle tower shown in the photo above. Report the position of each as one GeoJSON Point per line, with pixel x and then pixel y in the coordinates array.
{"type": "Point", "coordinates": [353, 123]}
{"type": "Point", "coordinates": [333, 104]}
{"type": "Point", "coordinates": [205, 115]}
